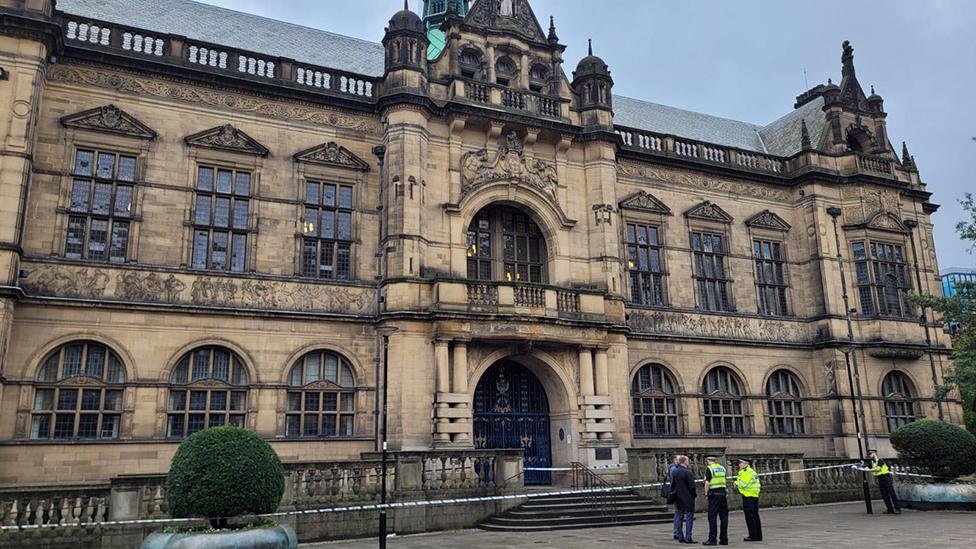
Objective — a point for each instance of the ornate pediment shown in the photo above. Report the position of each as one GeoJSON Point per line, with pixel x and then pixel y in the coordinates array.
{"type": "Point", "coordinates": [109, 119]}
{"type": "Point", "coordinates": [227, 138]}
{"type": "Point", "coordinates": [882, 220]}
{"type": "Point", "coordinates": [508, 164]}
{"type": "Point", "coordinates": [323, 385]}
{"type": "Point", "coordinates": [332, 154]}
{"type": "Point", "coordinates": [506, 15]}
{"type": "Point", "coordinates": [768, 220]}
{"type": "Point", "coordinates": [644, 201]}
{"type": "Point", "coordinates": [709, 212]}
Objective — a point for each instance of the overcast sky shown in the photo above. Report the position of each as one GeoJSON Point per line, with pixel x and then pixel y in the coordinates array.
{"type": "Point", "coordinates": [745, 59]}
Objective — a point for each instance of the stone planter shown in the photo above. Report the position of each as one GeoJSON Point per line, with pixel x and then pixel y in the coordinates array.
{"type": "Point", "coordinates": [937, 496]}
{"type": "Point", "coordinates": [279, 537]}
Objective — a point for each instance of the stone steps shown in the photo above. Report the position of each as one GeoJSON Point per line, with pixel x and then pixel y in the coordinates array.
{"type": "Point", "coordinates": [572, 512]}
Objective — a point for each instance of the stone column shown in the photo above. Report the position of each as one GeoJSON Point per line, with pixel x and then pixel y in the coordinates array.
{"type": "Point", "coordinates": [586, 371]}
{"type": "Point", "coordinates": [462, 418]}
{"type": "Point", "coordinates": [602, 378]}
{"type": "Point", "coordinates": [443, 384]}
{"type": "Point", "coordinates": [460, 366]}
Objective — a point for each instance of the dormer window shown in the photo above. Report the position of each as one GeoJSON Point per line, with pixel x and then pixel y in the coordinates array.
{"type": "Point", "coordinates": [505, 71]}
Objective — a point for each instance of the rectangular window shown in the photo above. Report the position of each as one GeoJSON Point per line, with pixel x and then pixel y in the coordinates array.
{"type": "Point", "coordinates": [98, 202]}
{"type": "Point", "coordinates": [770, 277]}
{"type": "Point", "coordinates": [881, 278]}
{"type": "Point", "coordinates": [644, 265]}
{"type": "Point", "coordinates": [327, 224]}
{"type": "Point", "coordinates": [220, 219]}
{"type": "Point", "coordinates": [711, 278]}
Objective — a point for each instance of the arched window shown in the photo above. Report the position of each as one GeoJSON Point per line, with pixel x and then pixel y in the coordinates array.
{"type": "Point", "coordinates": [655, 406]}
{"type": "Point", "coordinates": [505, 244]}
{"type": "Point", "coordinates": [505, 70]}
{"type": "Point", "coordinates": [722, 403]}
{"type": "Point", "coordinates": [321, 397]}
{"type": "Point", "coordinates": [78, 393]}
{"type": "Point", "coordinates": [471, 63]}
{"type": "Point", "coordinates": [785, 407]}
{"type": "Point", "coordinates": [899, 399]}
{"type": "Point", "coordinates": [208, 388]}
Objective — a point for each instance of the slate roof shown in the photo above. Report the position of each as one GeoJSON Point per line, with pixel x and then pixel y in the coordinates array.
{"type": "Point", "coordinates": [237, 30]}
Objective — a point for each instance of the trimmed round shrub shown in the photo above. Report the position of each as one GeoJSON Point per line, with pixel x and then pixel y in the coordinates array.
{"type": "Point", "coordinates": [941, 449]}
{"type": "Point", "coordinates": [224, 472]}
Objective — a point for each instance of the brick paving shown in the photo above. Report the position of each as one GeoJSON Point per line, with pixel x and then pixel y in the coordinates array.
{"type": "Point", "coordinates": [816, 527]}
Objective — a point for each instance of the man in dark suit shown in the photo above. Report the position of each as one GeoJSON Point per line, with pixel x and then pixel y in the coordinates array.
{"type": "Point", "coordinates": [683, 493]}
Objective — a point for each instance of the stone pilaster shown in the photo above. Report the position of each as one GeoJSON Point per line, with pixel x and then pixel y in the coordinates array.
{"type": "Point", "coordinates": [452, 410]}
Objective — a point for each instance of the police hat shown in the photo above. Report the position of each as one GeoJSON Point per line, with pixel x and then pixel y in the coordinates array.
{"type": "Point", "coordinates": [746, 461]}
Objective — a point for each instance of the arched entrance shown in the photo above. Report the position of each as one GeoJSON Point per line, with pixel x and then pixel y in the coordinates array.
{"type": "Point", "coordinates": [511, 410]}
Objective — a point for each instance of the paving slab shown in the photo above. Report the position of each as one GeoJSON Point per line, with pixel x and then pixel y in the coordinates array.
{"type": "Point", "coordinates": [843, 525]}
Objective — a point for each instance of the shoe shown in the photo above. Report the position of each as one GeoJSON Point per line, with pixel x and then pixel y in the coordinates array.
{"type": "Point", "coordinates": [709, 543]}
{"type": "Point", "coordinates": [890, 513]}
{"type": "Point", "coordinates": [677, 538]}
{"type": "Point", "coordinates": [723, 543]}
{"type": "Point", "coordinates": [749, 539]}
{"type": "Point", "coordinates": [897, 511]}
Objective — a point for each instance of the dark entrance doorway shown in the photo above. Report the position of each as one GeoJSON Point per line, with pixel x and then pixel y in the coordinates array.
{"type": "Point", "coordinates": [511, 411]}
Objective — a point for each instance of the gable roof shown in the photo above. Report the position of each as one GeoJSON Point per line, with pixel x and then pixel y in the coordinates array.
{"type": "Point", "coordinates": [235, 29]}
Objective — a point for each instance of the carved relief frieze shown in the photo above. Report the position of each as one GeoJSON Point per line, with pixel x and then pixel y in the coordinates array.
{"type": "Point", "coordinates": [508, 164]}
{"type": "Point", "coordinates": [195, 290]}
{"type": "Point", "coordinates": [869, 202]}
{"type": "Point", "coordinates": [697, 325]}
{"type": "Point", "coordinates": [830, 376]}
{"type": "Point", "coordinates": [332, 154]}
{"type": "Point", "coordinates": [140, 86]}
{"type": "Point", "coordinates": [109, 119]}
{"type": "Point", "coordinates": [683, 178]}
{"type": "Point", "coordinates": [513, 15]}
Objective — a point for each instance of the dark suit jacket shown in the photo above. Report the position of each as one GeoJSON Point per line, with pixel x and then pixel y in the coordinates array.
{"type": "Point", "coordinates": [683, 486]}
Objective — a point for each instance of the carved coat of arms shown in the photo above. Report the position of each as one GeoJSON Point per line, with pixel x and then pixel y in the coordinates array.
{"type": "Point", "coordinates": [509, 164]}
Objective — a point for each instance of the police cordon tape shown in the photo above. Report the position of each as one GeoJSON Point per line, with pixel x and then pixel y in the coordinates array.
{"type": "Point", "coordinates": [423, 503]}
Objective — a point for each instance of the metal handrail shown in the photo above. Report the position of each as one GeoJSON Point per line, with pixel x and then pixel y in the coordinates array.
{"type": "Point", "coordinates": [603, 497]}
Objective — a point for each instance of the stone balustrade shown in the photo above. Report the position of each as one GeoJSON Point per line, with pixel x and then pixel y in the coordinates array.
{"type": "Point", "coordinates": [875, 164]}
{"type": "Point", "coordinates": [200, 55]}
{"type": "Point", "coordinates": [55, 506]}
{"type": "Point", "coordinates": [519, 298]}
{"type": "Point", "coordinates": [515, 99]}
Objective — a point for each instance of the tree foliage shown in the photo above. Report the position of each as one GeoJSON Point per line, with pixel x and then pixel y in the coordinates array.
{"type": "Point", "coordinates": [224, 472]}
{"type": "Point", "coordinates": [938, 448]}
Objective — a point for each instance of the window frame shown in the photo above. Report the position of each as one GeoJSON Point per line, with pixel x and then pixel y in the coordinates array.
{"type": "Point", "coordinates": [668, 397]}
{"type": "Point", "coordinates": [209, 385]}
{"type": "Point", "coordinates": [904, 402]}
{"type": "Point", "coordinates": [790, 400]}
{"type": "Point", "coordinates": [871, 289]}
{"type": "Point", "coordinates": [701, 277]}
{"type": "Point", "coordinates": [780, 285]}
{"type": "Point", "coordinates": [315, 237]}
{"type": "Point", "coordinates": [658, 278]}
{"type": "Point", "coordinates": [344, 388]}
{"type": "Point", "coordinates": [734, 395]}
{"type": "Point", "coordinates": [80, 383]}
{"type": "Point", "coordinates": [496, 260]}
{"type": "Point", "coordinates": [112, 217]}
{"type": "Point", "coordinates": [210, 228]}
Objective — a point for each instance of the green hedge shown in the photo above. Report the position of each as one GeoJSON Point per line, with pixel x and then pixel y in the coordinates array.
{"type": "Point", "coordinates": [224, 472]}
{"type": "Point", "coordinates": [939, 448]}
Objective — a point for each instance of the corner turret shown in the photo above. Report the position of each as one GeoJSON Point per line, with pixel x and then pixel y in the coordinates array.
{"type": "Point", "coordinates": [406, 46]}
{"type": "Point", "coordinates": [593, 86]}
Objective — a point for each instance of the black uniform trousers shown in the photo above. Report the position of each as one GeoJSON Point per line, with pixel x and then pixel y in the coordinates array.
{"type": "Point", "coordinates": [718, 508]}
{"type": "Point", "coordinates": [887, 487]}
{"type": "Point", "coordinates": [750, 506]}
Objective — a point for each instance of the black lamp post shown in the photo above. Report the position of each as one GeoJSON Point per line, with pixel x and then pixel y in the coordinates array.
{"type": "Point", "coordinates": [385, 333]}
{"type": "Point", "coordinates": [911, 224]}
{"type": "Point", "coordinates": [853, 377]}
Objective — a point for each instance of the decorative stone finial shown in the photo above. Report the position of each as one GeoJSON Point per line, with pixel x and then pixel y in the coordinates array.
{"type": "Point", "coordinates": [590, 41]}
{"type": "Point", "coordinates": [907, 160]}
{"type": "Point", "coordinates": [406, 5]}
{"type": "Point", "coordinates": [552, 29]}
{"type": "Point", "coordinates": [847, 59]}
{"type": "Point", "coordinates": [805, 143]}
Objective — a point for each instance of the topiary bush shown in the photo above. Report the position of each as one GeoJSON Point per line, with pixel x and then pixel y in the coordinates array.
{"type": "Point", "coordinates": [224, 472]}
{"type": "Point", "coordinates": [941, 449]}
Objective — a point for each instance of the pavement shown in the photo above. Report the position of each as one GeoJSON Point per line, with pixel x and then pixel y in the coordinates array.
{"type": "Point", "coordinates": [815, 527]}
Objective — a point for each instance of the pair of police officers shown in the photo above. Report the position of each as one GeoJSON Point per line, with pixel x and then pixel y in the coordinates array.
{"type": "Point", "coordinates": [747, 483]}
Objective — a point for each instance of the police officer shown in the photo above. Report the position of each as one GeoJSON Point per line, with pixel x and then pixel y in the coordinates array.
{"type": "Point", "coordinates": [885, 483]}
{"type": "Point", "coordinates": [718, 503]}
{"type": "Point", "coordinates": [747, 483]}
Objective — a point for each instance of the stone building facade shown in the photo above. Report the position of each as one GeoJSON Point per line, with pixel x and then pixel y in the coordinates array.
{"type": "Point", "coordinates": [203, 225]}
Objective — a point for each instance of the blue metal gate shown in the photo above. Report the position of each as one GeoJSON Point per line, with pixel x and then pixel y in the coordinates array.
{"type": "Point", "coordinates": [511, 411]}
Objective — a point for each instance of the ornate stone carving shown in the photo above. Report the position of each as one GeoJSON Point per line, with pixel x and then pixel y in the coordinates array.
{"type": "Point", "coordinates": [692, 179]}
{"type": "Point", "coordinates": [768, 220]}
{"type": "Point", "coordinates": [830, 376]}
{"type": "Point", "coordinates": [709, 212]}
{"type": "Point", "coordinates": [332, 154]}
{"type": "Point", "coordinates": [183, 289]}
{"type": "Point", "coordinates": [512, 15]}
{"type": "Point", "coordinates": [509, 164]}
{"type": "Point", "coordinates": [227, 138]}
{"type": "Point", "coordinates": [109, 119]}
{"type": "Point", "coordinates": [63, 282]}
{"type": "Point", "coordinates": [643, 200]}
{"type": "Point", "coordinates": [886, 221]}
{"type": "Point", "coordinates": [697, 325]}
{"type": "Point", "coordinates": [896, 353]}
{"type": "Point", "coordinates": [127, 83]}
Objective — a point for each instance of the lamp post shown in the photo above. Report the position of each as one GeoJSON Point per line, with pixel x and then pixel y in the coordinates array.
{"type": "Point", "coordinates": [911, 224]}
{"type": "Point", "coordinates": [853, 376]}
{"type": "Point", "coordinates": [384, 332]}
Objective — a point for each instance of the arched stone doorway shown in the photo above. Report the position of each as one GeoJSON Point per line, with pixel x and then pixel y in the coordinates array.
{"type": "Point", "coordinates": [511, 410]}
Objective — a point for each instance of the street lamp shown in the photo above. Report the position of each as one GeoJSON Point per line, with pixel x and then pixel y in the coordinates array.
{"type": "Point", "coordinates": [385, 332]}
{"type": "Point", "coordinates": [911, 224]}
{"type": "Point", "coordinates": [853, 376]}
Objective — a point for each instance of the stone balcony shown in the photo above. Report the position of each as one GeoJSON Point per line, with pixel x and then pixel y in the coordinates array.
{"type": "Point", "coordinates": [513, 298]}
{"type": "Point", "coordinates": [511, 99]}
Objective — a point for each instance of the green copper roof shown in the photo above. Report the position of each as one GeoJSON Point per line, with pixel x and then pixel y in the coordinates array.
{"type": "Point", "coordinates": [435, 11]}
